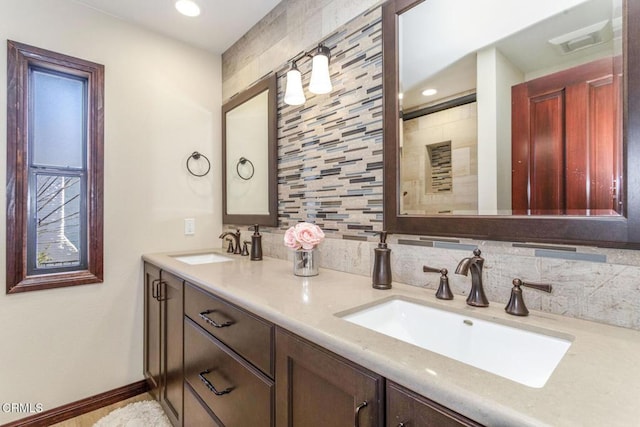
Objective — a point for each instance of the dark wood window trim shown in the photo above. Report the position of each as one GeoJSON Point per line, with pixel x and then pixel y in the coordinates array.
{"type": "Point", "coordinates": [20, 58]}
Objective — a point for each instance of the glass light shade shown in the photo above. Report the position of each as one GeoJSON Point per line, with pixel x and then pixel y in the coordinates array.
{"type": "Point", "coordinates": [188, 8]}
{"type": "Point", "coordinates": [320, 81]}
{"type": "Point", "coordinates": [294, 94]}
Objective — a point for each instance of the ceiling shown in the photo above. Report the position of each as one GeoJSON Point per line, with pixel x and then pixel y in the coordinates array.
{"type": "Point", "coordinates": [220, 25]}
{"type": "Point", "coordinates": [521, 36]}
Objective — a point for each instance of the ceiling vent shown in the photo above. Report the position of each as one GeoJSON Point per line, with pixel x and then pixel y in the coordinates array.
{"type": "Point", "coordinates": [583, 38]}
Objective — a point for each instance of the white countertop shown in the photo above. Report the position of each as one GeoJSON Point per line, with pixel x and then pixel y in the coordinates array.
{"type": "Point", "coordinates": [597, 383]}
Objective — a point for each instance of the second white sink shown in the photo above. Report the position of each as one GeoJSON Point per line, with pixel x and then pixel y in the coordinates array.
{"type": "Point", "coordinates": [207, 258]}
{"type": "Point", "coordinates": [520, 355]}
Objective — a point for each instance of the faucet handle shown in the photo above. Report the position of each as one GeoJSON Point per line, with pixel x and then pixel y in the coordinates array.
{"type": "Point", "coordinates": [444, 291]}
{"type": "Point", "coordinates": [230, 248]}
{"type": "Point", "coordinates": [516, 304]}
{"type": "Point", "coordinates": [245, 251]}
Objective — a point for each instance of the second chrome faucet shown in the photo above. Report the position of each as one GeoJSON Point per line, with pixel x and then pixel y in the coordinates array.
{"type": "Point", "coordinates": [476, 297]}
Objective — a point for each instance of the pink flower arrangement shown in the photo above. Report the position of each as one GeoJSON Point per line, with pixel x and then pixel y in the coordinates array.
{"type": "Point", "coordinates": [303, 235]}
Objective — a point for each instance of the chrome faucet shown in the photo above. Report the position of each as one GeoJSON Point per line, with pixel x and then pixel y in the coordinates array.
{"type": "Point", "coordinates": [236, 238]}
{"type": "Point", "coordinates": [476, 296]}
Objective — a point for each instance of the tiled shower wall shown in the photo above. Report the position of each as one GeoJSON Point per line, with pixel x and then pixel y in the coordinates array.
{"type": "Point", "coordinates": [330, 158]}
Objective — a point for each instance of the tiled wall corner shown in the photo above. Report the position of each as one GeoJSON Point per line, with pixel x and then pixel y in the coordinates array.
{"type": "Point", "coordinates": [291, 27]}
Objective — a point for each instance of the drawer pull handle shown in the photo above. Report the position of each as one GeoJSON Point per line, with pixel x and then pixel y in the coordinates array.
{"type": "Point", "coordinates": [357, 414]}
{"type": "Point", "coordinates": [210, 386]}
{"type": "Point", "coordinates": [212, 322]}
{"type": "Point", "coordinates": [154, 288]}
{"type": "Point", "coordinates": [156, 292]}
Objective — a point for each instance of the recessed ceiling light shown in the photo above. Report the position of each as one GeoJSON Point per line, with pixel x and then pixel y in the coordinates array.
{"type": "Point", "coordinates": [188, 7]}
{"type": "Point", "coordinates": [429, 92]}
{"type": "Point", "coordinates": [400, 95]}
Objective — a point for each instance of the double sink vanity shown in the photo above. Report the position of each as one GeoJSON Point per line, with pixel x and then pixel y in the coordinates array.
{"type": "Point", "coordinates": [234, 342]}
{"type": "Point", "coordinates": [239, 343]}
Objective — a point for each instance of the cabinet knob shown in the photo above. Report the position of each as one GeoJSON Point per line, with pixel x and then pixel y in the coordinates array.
{"type": "Point", "coordinates": [357, 414]}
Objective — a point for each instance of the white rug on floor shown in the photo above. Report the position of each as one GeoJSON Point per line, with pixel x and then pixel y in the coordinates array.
{"type": "Point", "coordinates": [147, 413]}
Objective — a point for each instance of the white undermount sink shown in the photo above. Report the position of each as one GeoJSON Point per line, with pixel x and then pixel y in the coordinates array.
{"type": "Point", "coordinates": [520, 355]}
{"type": "Point", "coordinates": [207, 258]}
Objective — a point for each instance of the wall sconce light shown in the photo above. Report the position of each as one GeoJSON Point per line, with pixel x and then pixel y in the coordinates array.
{"type": "Point", "coordinates": [294, 94]}
{"type": "Point", "coordinates": [320, 82]}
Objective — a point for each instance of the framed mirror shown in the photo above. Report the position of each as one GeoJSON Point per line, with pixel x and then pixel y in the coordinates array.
{"type": "Point", "coordinates": [534, 129]}
{"type": "Point", "coordinates": [249, 156]}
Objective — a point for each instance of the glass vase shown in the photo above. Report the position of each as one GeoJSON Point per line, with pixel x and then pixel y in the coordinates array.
{"type": "Point", "coordinates": [305, 262]}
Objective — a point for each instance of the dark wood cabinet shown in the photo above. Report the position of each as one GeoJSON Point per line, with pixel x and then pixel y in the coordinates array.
{"type": "Point", "coordinates": [228, 361]}
{"type": "Point", "coordinates": [315, 387]}
{"type": "Point", "coordinates": [247, 334]}
{"type": "Point", "coordinates": [152, 329]}
{"type": "Point", "coordinates": [172, 315]}
{"type": "Point", "coordinates": [211, 363]}
{"type": "Point", "coordinates": [236, 392]}
{"type": "Point", "coordinates": [163, 334]}
{"type": "Point", "coordinates": [408, 409]}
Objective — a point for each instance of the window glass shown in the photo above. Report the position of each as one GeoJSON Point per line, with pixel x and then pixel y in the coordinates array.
{"type": "Point", "coordinates": [58, 122]}
{"type": "Point", "coordinates": [58, 223]}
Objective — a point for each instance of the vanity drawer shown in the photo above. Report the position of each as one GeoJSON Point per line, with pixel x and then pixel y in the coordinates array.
{"type": "Point", "coordinates": [195, 412]}
{"type": "Point", "coordinates": [236, 392]}
{"type": "Point", "coordinates": [246, 334]}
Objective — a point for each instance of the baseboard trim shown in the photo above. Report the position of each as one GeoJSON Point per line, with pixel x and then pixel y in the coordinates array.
{"type": "Point", "coordinates": [80, 407]}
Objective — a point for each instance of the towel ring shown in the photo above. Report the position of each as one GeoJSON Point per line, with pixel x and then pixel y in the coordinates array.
{"type": "Point", "coordinates": [196, 156]}
{"type": "Point", "coordinates": [242, 161]}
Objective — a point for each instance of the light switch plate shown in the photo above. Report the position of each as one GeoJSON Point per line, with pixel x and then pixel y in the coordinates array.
{"type": "Point", "coordinates": [189, 226]}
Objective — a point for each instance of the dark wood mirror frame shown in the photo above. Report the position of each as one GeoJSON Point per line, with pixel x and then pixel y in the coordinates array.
{"type": "Point", "coordinates": [620, 232]}
{"type": "Point", "coordinates": [271, 219]}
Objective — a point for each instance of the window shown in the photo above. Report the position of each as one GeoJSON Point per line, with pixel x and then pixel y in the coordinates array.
{"type": "Point", "coordinates": [54, 169]}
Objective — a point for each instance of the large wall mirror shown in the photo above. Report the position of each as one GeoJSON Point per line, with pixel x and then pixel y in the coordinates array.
{"type": "Point", "coordinates": [249, 156]}
{"type": "Point", "coordinates": [513, 120]}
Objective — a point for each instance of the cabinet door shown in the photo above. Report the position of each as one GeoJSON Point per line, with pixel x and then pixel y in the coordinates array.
{"type": "Point", "coordinates": [408, 409]}
{"type": "Point", "coordinates": [152, 329]}
{"type": "Point", "coordinates": [171, 356]}
{"type": "Point", "coordinates": [317, 388]}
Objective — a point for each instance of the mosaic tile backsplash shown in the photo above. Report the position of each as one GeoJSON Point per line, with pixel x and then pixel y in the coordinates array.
{"type": "Point", "coordinates": [330, 148]}
{"type": "Point", "coordinates": [330, 172]}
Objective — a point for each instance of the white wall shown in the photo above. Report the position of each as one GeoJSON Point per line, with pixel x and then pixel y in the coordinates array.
{"type": "Point", "coordinates": [162, 102]}
{"type": "Point", "coordinates": [487, 131]}
{"type": "Point", "coordinates": [495, 76]}
{"type": "Point", "coordinates": [507, 75]}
